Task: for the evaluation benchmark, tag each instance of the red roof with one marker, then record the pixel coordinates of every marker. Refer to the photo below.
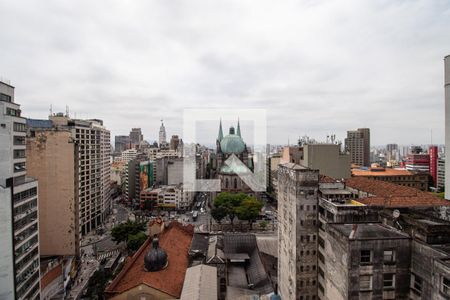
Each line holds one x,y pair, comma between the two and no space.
176,241
393,195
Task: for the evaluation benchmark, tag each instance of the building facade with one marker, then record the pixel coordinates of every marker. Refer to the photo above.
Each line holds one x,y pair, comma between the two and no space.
434,155
327,158
92,166
440,181
52,160
121,143
19,228
398,176
447,122
297,231
357,144
136,136
162,136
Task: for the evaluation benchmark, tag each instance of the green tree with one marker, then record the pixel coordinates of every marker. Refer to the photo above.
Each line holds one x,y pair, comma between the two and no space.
249,209
218,213
121,232
135,241
229,202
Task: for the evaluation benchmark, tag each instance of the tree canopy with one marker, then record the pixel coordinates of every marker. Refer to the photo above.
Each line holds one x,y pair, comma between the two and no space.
243,206
249,209
121,232
135,241
218,213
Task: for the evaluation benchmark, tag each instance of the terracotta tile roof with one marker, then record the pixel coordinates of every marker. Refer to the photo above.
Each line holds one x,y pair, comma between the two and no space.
384,172
393,195
326,179
176,241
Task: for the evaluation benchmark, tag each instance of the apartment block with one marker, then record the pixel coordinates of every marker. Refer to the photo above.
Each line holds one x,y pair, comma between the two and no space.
297,231
91,165
52,159
357,144
19,227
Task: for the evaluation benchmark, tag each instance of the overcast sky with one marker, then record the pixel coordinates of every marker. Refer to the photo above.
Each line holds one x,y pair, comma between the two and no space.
318,67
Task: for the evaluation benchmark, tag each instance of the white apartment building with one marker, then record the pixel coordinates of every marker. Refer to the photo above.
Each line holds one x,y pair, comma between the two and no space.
19,231
129,154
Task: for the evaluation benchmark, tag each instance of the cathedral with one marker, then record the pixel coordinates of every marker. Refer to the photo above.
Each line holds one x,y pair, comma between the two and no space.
227,146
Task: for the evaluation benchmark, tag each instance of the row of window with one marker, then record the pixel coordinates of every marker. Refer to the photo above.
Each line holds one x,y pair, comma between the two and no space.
308,207
367,256
308,238
365,281
13,112
20,127
19,154
19,140
4,97
25,194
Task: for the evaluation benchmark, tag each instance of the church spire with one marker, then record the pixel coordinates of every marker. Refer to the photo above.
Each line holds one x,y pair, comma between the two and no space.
238,129
220,136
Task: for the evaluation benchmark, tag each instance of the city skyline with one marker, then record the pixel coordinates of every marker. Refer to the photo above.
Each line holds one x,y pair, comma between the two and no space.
136,63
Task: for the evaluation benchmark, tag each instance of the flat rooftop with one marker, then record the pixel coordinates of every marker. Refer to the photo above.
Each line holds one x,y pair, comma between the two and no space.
370,231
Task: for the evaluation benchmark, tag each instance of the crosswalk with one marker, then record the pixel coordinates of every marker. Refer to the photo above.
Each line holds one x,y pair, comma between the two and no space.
107,254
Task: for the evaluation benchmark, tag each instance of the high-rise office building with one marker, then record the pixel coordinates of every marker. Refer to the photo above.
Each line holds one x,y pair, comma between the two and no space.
174,142
136,136
297,231
447,123
357,144
91,161
121,143
19,235
162,134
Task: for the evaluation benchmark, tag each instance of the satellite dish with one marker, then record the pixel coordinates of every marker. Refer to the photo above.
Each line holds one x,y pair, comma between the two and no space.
396,213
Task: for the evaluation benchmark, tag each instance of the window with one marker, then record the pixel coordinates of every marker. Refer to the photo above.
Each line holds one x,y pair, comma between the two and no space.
366,256
445,286
13,112
365,282
20,127
416,284
4,97
19,167
19,140
389,256
388,280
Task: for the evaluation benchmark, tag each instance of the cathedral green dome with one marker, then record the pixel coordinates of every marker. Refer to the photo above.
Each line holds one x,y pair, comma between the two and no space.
232,143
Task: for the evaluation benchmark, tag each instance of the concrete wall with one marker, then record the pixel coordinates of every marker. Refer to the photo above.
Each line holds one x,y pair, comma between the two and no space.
327,159
422,264
377,268
175,171
51,161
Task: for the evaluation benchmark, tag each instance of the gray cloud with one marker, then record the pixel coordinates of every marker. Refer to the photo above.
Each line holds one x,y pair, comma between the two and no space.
316,66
